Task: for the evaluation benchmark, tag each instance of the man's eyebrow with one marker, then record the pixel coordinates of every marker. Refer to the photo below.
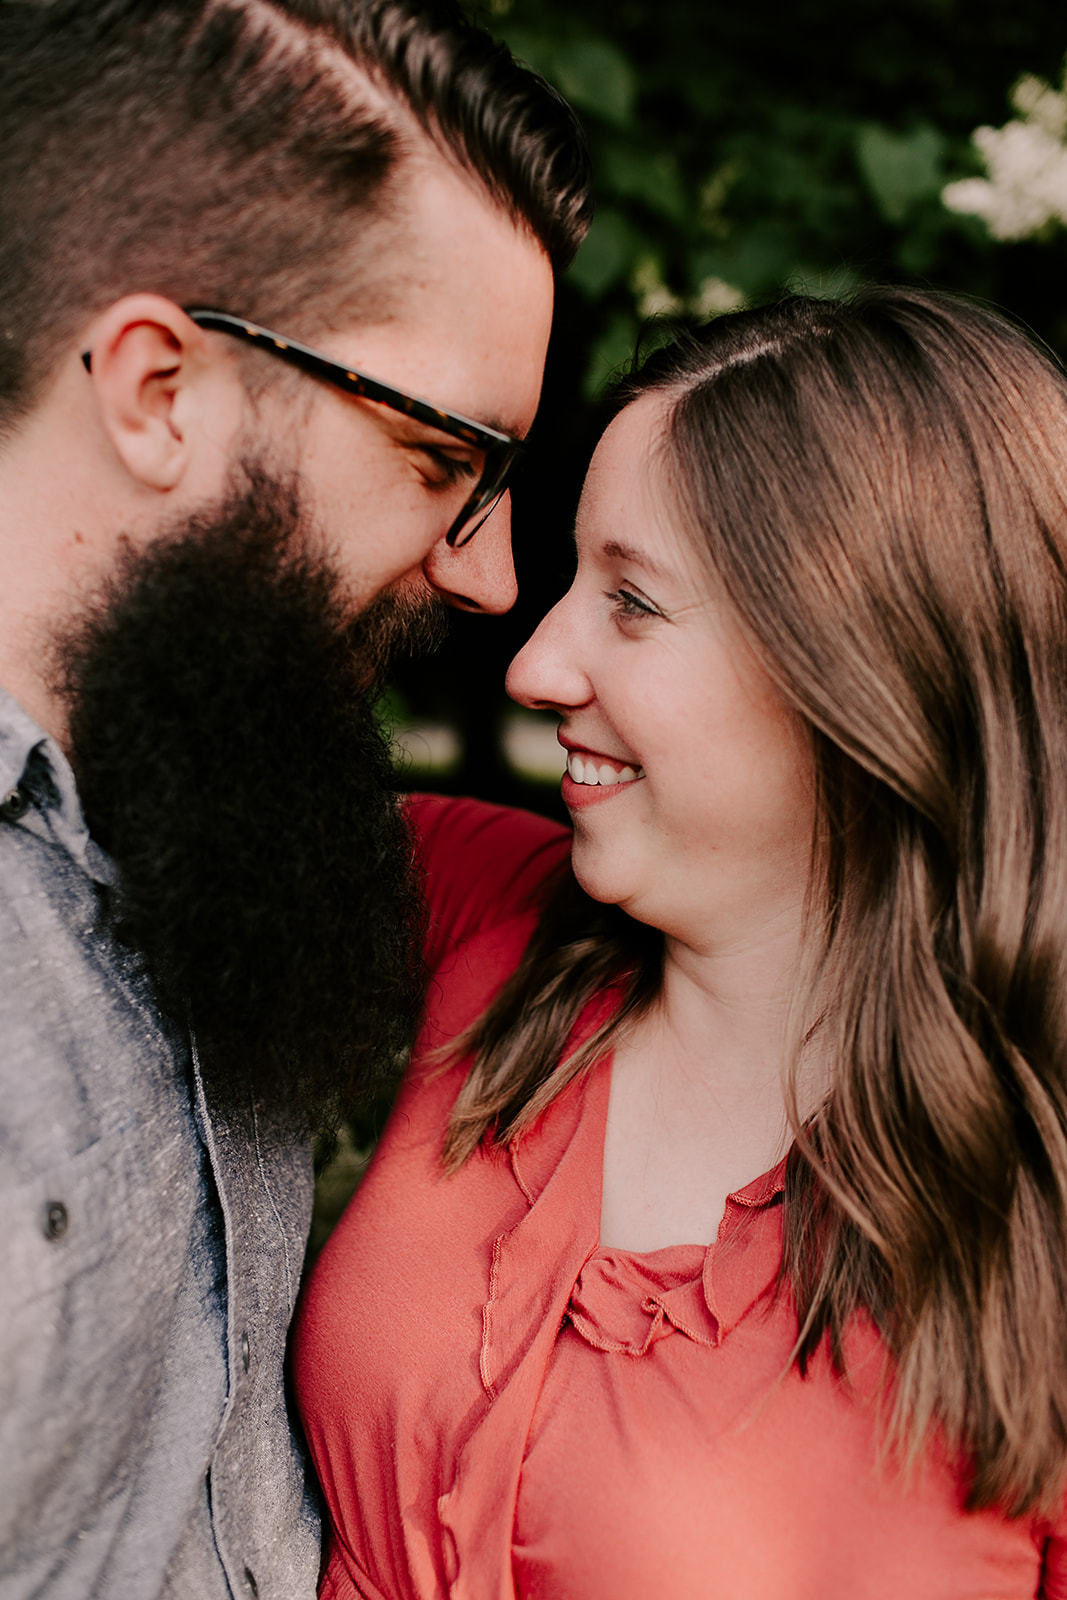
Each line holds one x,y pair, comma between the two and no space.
486,422
512,430
639,558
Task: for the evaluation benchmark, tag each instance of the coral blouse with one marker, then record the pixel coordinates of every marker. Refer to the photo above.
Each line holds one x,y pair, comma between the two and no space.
499,1407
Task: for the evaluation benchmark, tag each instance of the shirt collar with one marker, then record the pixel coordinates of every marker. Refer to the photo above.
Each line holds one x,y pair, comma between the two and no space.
32,757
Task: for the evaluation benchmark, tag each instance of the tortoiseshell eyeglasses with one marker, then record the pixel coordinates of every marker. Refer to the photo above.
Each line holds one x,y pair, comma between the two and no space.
501,451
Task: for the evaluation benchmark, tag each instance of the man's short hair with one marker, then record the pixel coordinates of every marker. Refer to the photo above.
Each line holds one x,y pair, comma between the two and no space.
238,153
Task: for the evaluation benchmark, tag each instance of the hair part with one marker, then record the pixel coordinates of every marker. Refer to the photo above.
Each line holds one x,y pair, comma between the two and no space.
246,154
881,487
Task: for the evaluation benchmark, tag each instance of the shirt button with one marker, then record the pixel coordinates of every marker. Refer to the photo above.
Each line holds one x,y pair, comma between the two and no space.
55,1221
246,1351
250,1580
14,805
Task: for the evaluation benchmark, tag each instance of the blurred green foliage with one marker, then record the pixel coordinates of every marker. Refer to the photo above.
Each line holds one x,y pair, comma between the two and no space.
743,150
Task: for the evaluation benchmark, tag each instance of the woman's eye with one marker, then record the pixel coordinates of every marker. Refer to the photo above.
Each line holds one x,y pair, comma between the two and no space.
629,606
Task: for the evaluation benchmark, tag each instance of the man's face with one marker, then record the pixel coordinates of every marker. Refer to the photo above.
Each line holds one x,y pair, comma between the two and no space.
232,656
469,328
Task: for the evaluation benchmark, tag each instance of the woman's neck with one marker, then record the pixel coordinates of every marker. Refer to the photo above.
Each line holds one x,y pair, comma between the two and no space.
698,1105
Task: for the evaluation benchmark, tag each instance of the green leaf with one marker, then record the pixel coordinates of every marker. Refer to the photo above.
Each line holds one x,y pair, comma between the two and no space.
823,283
637,173
759,259
536,50
606,255
597,77
900,168
610,353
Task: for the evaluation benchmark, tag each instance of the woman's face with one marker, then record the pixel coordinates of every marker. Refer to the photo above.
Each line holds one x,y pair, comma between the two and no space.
689,782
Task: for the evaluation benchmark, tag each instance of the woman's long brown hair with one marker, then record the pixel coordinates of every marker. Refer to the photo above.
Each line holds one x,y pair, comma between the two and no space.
881,486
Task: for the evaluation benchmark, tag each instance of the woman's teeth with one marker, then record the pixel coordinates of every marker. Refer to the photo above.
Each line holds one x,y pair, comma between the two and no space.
583,769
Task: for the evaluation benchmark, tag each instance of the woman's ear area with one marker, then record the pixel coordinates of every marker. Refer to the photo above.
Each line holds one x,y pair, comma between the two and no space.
169,394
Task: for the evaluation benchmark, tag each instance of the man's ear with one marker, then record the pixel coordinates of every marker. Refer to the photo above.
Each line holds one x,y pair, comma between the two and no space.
165,393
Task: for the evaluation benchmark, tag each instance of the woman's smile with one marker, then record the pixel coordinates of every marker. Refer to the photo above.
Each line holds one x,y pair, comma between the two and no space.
590,769
592,776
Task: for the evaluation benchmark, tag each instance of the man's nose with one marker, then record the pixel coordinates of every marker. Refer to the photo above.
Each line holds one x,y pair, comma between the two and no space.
479,576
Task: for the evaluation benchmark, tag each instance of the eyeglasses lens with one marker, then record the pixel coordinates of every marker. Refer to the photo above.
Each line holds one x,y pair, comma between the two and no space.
486,497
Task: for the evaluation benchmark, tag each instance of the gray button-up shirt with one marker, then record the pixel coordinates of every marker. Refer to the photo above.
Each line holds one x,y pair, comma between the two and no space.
150,1252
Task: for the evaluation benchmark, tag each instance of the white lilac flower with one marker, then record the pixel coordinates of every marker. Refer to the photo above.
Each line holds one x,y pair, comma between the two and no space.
1041,104
715,295
653,297
1026,190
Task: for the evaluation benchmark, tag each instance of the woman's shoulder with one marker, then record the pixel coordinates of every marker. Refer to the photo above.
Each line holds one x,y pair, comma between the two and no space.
503,839
483,865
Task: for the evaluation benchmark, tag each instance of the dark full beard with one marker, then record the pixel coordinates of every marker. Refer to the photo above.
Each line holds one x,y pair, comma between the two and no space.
228,757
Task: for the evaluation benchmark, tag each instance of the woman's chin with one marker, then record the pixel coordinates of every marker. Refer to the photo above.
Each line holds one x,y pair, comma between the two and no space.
596,869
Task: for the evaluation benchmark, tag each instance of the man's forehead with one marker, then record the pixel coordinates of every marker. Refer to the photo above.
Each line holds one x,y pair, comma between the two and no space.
469,307
449,229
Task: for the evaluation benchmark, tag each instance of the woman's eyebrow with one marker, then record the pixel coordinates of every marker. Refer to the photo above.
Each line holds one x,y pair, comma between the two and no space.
628,552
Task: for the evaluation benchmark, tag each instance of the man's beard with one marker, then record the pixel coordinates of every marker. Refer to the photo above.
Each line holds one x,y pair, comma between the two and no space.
222,731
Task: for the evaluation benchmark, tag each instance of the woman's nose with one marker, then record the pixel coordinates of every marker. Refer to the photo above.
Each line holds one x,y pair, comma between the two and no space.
547,674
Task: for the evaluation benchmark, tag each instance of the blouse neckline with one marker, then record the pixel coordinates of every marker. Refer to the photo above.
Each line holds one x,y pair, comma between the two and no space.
628,1299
